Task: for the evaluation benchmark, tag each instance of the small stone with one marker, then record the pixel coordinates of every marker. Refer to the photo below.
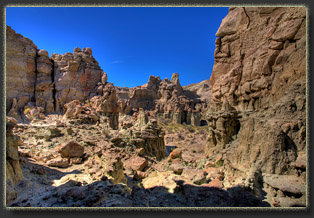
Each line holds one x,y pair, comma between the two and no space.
176,153
139,175
58,162
76,160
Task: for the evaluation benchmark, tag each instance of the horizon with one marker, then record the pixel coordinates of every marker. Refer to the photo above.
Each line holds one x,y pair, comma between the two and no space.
129,43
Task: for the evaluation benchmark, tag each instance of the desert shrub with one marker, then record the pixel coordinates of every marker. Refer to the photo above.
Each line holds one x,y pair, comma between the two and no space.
26,110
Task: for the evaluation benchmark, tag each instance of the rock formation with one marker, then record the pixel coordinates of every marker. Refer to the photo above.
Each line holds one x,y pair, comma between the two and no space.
201,91
35,80
166,98
44,84
146,134
75,75
13,170
258,84
106,106
255,104
20,72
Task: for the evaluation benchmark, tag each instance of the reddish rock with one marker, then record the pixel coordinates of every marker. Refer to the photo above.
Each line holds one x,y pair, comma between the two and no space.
136,163
210,164
218,158
176,153
71,149
215,183
76,75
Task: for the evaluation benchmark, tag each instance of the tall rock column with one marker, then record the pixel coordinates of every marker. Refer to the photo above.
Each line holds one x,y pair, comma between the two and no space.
44,84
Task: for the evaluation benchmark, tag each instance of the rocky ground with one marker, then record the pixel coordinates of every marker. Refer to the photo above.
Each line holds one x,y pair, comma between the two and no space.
58,173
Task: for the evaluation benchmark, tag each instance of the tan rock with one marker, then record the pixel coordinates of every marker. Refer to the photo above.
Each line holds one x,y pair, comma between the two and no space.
71,149
58,162
75,160
194,175
215,183
259,72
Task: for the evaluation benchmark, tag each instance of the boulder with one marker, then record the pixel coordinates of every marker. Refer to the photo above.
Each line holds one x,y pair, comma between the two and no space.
70,149
136,163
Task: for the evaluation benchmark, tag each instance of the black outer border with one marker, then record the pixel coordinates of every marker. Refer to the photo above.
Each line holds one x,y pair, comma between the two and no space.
82,212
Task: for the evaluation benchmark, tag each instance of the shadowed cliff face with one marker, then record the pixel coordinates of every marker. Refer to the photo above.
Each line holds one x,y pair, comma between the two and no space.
258,117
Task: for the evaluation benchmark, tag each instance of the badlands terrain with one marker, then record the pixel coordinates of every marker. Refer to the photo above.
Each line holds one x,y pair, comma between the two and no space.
238,139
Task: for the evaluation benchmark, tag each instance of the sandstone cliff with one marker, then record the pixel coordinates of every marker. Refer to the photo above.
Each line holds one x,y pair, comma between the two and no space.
258,117
20,71
33,79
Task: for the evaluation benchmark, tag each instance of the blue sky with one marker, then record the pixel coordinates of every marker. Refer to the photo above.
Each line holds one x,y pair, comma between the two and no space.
129,43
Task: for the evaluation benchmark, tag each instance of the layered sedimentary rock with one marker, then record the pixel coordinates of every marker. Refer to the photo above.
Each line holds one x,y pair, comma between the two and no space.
258,84
35,80
20,72
44,84
76,75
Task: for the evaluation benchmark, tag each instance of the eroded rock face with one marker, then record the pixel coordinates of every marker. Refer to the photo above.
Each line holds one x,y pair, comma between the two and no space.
106,106
257,120
13,171
166,98
145,134
44,85
35,80
20,72
106,163
255,60
76,75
